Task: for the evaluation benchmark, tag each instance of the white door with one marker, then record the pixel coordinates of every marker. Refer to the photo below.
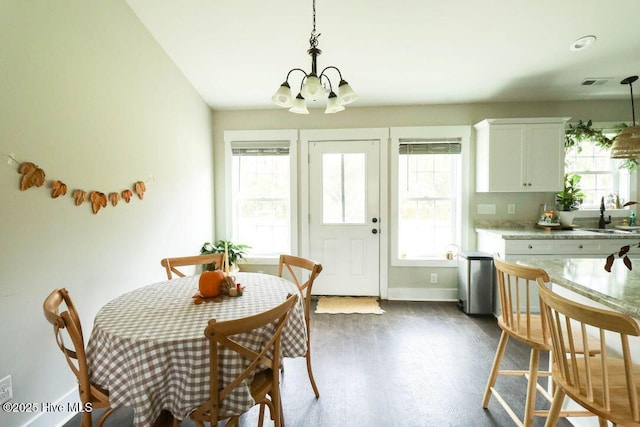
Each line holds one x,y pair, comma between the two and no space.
344,222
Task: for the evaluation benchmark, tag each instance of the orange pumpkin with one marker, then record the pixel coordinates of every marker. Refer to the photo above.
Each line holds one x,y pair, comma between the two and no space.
210,284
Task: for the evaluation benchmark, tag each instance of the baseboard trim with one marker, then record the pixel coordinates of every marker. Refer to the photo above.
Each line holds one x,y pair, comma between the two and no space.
422,294
57,418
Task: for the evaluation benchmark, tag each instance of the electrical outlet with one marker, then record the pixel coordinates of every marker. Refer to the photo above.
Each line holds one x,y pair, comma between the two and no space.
6,392
511,208
434,277
486,209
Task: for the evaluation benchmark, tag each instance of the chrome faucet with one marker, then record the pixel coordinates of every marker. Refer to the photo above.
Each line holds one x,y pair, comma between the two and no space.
602,222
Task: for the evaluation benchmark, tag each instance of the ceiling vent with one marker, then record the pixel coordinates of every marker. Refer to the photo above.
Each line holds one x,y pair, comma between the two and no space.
595,82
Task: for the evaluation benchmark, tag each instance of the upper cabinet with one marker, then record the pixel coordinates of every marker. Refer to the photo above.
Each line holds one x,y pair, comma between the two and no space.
515,155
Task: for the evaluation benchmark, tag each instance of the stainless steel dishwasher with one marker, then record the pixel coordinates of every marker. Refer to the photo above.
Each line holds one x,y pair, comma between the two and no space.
476,278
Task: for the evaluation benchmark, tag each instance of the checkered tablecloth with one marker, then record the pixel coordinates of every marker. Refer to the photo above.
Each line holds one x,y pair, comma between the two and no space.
148,346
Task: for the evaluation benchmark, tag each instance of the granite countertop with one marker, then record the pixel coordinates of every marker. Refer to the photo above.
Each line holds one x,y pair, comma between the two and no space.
619,290
532,233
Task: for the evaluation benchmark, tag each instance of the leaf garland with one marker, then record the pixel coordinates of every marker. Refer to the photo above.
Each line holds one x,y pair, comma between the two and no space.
34,176
584,132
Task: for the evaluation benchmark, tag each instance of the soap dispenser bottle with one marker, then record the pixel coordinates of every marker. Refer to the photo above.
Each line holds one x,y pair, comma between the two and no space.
632,219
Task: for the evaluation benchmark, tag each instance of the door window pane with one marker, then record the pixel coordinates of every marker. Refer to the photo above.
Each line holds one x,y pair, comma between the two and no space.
343,188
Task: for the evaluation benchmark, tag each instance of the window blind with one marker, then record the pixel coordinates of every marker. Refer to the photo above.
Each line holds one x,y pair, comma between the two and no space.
260,148
430,146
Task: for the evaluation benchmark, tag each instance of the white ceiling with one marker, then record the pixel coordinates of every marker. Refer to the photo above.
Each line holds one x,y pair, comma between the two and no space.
237,52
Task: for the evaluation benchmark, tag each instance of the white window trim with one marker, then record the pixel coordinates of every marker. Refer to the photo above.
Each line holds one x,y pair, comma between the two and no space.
266,136
429,132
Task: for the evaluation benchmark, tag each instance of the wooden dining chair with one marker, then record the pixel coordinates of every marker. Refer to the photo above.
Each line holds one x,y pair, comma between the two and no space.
261,370
170,264
313,269
61,313
606,383
522,319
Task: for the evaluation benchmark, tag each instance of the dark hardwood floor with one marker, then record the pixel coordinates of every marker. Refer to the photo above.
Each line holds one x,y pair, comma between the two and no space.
420,364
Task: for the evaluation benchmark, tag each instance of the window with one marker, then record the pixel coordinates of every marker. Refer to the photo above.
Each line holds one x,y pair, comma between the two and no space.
428,186
262,191
343,191
600,175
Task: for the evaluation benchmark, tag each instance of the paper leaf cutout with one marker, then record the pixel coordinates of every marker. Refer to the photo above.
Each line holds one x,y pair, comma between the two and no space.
140,188
80,197
114,198
98,200
126,195
59,189
32,175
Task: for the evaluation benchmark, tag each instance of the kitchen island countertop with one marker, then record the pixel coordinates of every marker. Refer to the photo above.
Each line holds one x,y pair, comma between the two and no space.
618,290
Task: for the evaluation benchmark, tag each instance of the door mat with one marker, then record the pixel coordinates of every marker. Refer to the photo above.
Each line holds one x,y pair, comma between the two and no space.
348,305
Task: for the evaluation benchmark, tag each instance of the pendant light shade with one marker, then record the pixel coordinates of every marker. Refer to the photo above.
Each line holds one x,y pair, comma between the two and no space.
627,144
333,104
283,98
346,95
299,106
315,85
312,88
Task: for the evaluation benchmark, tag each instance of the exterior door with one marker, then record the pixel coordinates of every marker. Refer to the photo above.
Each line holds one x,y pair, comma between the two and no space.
344,222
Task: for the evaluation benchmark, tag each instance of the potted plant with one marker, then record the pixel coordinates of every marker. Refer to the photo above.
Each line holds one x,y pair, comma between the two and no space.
235,252
569,199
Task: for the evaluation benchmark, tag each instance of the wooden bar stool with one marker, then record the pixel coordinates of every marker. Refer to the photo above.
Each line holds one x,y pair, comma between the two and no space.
607,383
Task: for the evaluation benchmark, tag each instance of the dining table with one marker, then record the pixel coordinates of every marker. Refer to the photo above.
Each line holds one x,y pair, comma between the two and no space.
148,348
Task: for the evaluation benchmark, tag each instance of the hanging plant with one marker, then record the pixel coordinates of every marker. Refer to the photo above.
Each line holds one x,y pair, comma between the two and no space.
584,132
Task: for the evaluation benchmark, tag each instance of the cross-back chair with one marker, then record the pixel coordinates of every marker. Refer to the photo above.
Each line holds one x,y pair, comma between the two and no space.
606,383
521,318
290,263
262,369
170,264
61,313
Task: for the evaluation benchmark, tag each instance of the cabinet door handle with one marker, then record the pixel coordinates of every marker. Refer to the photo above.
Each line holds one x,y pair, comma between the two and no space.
530,247
580,246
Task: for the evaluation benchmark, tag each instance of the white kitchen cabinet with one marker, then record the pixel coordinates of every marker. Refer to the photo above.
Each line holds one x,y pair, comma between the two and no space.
515,155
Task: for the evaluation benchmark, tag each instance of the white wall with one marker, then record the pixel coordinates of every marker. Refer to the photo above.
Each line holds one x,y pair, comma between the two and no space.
527,205
90,97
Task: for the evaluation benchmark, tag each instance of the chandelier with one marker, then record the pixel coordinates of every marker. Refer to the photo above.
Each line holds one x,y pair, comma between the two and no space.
627,144
313,85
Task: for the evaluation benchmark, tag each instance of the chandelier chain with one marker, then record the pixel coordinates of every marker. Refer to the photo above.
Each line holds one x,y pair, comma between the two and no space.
313,40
